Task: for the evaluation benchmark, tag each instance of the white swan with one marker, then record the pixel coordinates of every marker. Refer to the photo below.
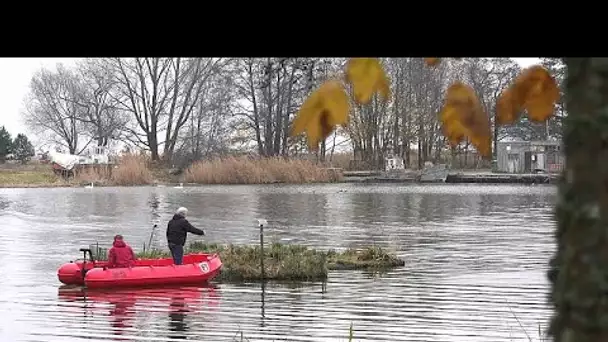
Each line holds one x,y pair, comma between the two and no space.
180,186
89,186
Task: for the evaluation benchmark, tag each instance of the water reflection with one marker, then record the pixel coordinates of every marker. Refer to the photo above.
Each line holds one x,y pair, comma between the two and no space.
123,305
262,302
154,202
177,315
121,313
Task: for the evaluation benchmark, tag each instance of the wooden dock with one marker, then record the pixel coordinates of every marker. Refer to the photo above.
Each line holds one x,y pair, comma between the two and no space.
443,175
501,178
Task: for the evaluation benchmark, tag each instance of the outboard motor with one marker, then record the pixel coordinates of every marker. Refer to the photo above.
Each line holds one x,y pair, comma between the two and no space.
84,260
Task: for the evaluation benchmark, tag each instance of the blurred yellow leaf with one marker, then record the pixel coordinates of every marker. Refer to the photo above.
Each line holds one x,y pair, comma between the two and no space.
324,109
462,116
508,107
534,90
432,61
367,77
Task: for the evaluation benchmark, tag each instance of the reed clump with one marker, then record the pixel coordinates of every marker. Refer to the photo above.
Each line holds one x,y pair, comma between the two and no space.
132,169
370,258
100,175
286,262
245,170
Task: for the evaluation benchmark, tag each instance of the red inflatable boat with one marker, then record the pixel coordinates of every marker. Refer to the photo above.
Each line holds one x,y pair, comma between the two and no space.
196,269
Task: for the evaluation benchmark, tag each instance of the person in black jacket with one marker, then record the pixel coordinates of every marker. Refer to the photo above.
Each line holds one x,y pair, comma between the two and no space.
177,229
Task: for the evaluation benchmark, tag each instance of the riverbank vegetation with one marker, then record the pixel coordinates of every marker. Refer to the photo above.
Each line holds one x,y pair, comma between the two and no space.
287,262
244,170
134,170
28,177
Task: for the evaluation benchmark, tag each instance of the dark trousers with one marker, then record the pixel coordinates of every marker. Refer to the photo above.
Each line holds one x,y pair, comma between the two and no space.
177,252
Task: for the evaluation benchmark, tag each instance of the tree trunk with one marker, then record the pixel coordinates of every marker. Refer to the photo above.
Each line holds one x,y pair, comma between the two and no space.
321,154
284,150
466,154
579,269
420,159
278,126
495,138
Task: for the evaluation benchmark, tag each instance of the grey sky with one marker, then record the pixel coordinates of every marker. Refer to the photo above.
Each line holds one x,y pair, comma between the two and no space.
16,73
15,76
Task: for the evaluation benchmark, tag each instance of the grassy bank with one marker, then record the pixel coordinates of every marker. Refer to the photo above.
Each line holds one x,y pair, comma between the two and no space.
287,262
133,170
243,170
130,170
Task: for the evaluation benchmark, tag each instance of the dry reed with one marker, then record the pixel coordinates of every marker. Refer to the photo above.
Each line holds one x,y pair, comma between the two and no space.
132,170
244,170
97,175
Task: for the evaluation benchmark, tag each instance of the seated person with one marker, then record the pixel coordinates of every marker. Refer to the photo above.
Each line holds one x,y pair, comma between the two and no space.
121,254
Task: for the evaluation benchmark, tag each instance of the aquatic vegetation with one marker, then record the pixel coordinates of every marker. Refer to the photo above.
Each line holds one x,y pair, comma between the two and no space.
373,257
286,262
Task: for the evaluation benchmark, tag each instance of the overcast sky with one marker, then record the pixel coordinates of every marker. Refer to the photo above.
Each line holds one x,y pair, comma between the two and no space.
16,73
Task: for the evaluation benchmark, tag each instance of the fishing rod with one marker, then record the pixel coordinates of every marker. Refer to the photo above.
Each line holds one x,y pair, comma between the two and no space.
151,236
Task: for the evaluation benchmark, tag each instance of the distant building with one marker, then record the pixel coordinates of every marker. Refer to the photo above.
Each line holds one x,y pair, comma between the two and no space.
529,156
392,161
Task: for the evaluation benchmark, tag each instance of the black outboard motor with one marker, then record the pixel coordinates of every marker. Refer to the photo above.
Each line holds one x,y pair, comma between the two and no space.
84,260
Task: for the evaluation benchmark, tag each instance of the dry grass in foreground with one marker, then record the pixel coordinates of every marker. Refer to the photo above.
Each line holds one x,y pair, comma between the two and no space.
243,170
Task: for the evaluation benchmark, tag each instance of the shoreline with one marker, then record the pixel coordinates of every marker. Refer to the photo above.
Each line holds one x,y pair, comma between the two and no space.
367,181
39,176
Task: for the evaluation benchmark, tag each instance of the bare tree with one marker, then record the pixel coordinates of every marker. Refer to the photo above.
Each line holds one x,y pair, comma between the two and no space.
271,91
207,130
50,107
95,94
161,93
489,78
411,116
191,79
202,106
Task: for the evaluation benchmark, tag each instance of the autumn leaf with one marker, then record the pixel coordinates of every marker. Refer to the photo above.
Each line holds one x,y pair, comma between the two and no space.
508,107
432,61
534,90
367,77
462,116
324,109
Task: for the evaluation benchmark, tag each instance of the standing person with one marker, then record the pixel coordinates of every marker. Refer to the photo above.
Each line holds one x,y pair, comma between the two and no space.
121,254
177,229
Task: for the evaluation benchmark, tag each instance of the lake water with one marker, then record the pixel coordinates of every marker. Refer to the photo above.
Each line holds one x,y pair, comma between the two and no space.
476,258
